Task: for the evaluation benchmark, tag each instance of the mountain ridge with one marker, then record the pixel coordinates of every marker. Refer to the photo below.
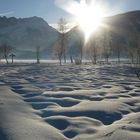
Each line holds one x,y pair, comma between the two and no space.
28,33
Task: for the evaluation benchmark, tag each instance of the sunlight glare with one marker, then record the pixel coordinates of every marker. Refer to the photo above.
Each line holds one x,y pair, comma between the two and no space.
89,16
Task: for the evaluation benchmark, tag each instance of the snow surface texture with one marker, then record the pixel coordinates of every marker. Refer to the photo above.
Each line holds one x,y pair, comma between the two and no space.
50,102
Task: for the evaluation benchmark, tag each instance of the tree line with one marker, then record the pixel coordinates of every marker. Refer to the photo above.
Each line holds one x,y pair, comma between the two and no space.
6,51
101,46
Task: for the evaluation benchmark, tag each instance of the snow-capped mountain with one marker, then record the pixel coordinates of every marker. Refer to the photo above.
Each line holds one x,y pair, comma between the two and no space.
26,34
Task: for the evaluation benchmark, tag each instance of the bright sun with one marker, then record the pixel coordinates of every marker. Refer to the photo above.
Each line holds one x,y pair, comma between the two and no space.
89,16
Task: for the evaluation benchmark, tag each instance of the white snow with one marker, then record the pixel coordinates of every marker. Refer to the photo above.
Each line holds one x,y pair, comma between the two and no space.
52,102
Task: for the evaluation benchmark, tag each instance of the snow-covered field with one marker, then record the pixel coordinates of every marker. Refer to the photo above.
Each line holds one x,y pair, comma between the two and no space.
51,102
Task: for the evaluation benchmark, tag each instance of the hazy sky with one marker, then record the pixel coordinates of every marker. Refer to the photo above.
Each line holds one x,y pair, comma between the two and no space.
51,10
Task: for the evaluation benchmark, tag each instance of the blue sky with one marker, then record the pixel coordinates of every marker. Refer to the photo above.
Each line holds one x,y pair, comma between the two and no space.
49,10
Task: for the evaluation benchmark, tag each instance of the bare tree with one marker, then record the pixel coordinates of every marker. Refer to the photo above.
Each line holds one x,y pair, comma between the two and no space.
131,48
71,59
118,52
92,50
1,54
12,57
62,27
137,42
107,44
6,50
38,54
118,45
80,46
57,51
134,42
131,54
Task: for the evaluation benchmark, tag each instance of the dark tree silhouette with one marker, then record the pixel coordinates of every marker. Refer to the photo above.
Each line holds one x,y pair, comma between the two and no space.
118,45
137,45
80,46
6,49
62,28
12,57
71,59
57,51
38,54
107,45
92,50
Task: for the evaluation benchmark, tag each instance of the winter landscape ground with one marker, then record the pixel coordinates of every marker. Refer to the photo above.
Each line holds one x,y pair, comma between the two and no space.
70,70
78,102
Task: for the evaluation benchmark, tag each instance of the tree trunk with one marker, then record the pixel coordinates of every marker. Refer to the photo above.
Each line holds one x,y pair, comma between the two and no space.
64,57
38,61
6,60
119,58
60,62
81,55
12,59
71,59
107,59
132,59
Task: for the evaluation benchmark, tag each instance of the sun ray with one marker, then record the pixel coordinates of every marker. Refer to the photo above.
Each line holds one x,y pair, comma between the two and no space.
89,17
88,14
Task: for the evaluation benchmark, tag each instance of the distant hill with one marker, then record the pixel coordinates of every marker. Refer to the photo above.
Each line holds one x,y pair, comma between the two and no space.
123,28
125,24
26,34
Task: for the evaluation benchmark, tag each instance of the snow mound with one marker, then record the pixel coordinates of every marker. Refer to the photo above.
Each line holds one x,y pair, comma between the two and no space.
69,102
